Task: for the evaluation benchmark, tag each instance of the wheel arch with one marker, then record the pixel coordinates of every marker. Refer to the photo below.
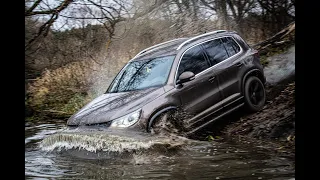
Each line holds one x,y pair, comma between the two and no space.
252,72
157,113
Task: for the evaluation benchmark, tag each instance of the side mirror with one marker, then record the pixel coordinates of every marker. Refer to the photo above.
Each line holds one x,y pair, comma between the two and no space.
185,77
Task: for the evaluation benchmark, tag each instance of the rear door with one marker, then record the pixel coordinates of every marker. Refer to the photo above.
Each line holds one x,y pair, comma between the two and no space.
217,56
230,83
202,92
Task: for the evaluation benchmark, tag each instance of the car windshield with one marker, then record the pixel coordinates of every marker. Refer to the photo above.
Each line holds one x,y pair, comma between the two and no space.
142,74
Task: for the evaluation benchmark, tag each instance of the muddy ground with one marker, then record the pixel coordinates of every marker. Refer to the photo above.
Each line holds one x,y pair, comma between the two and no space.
274,126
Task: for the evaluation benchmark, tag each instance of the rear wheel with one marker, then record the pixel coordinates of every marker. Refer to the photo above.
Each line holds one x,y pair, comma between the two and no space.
254,94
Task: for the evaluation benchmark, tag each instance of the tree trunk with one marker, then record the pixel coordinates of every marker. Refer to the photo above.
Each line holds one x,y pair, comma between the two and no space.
223,22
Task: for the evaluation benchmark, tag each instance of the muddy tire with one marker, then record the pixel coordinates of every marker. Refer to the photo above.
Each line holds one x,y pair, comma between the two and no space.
254,94
158,124
164,123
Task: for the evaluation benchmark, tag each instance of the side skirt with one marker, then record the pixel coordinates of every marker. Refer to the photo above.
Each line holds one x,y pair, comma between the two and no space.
225,110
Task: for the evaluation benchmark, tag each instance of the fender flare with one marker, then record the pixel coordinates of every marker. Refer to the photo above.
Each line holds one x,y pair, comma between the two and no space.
157,114
250,72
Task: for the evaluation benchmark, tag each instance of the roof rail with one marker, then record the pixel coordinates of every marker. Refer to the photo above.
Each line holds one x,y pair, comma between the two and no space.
196,37
157,45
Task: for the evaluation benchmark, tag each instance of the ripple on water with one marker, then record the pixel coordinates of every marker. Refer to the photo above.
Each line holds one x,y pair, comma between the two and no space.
85,154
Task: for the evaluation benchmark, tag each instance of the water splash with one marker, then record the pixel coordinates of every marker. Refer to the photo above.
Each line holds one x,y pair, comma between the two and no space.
166,158
103,141
281,66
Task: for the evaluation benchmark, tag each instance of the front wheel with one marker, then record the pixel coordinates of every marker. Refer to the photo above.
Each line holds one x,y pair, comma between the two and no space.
254,94
166,122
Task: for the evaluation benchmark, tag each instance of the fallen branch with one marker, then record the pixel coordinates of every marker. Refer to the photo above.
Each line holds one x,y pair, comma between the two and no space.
277,39
56,111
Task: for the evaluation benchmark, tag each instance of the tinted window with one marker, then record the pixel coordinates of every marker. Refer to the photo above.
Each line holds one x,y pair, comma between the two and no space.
193,60
231,46
142,74
215,51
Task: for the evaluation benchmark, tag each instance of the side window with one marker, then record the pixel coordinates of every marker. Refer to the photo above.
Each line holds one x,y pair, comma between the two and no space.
193,60
215,51
231,46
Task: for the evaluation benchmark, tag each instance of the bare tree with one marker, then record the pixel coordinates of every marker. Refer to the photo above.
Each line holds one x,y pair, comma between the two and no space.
53,14
239,9
108,13
220,8
278,13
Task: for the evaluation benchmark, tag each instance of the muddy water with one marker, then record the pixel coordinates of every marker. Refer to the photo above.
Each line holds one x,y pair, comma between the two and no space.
54,152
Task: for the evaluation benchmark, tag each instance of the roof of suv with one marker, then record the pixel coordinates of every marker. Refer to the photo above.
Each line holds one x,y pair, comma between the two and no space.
165,49
173,46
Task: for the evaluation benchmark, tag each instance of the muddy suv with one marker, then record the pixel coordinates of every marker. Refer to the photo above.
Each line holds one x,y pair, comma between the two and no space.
207,76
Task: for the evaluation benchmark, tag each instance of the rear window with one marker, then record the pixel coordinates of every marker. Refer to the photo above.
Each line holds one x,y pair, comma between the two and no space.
215,51
231,46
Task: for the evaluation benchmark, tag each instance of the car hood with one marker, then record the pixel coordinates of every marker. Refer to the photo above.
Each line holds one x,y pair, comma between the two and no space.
110,106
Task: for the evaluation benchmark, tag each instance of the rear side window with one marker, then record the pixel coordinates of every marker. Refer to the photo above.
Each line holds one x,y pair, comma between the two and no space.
216,51
193,60
231,46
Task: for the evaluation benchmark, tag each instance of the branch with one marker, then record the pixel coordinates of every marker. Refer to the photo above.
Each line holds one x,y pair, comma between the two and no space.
157,4
93,18
56,10
33,6
249,7
46,26
101,8
204,2
229,2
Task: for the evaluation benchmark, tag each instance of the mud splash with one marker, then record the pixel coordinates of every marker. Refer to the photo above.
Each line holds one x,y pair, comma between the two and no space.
142,156
106,141
281,67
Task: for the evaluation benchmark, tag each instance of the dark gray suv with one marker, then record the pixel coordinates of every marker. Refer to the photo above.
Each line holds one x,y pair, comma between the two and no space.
207,76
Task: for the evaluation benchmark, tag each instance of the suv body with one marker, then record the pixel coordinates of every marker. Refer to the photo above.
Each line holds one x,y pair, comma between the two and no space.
206,76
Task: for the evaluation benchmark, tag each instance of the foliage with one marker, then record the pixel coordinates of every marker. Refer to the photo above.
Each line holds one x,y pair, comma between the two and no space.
212,138
63,90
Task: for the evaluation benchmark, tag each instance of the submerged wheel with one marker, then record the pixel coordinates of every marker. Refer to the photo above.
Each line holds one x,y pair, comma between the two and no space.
159,123
254,94
164,123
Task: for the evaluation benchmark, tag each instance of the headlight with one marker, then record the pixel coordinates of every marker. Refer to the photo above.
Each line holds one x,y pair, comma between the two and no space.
127,120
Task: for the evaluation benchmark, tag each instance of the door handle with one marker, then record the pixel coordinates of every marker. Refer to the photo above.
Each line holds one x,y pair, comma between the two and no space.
211,79
239,64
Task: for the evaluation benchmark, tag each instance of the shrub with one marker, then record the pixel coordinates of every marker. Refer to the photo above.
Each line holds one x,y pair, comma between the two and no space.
63,90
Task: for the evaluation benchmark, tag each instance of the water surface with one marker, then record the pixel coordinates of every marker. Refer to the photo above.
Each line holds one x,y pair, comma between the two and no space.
54,152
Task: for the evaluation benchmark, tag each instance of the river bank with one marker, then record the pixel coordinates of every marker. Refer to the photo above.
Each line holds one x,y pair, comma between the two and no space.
273,127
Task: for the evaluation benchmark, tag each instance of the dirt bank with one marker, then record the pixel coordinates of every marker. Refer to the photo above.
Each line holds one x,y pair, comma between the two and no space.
274,126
